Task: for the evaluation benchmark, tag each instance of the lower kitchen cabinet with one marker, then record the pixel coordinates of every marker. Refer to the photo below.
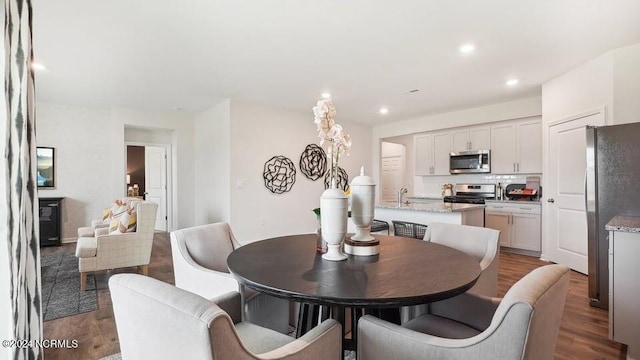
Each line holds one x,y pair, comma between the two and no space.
518,223
624,288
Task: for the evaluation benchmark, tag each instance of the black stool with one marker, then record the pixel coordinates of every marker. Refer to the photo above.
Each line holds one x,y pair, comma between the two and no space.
379,225
409,229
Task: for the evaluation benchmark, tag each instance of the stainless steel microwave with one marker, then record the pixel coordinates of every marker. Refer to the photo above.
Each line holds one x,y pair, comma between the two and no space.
470,162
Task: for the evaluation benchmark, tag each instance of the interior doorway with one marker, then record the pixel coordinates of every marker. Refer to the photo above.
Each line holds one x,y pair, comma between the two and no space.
147,168
393,158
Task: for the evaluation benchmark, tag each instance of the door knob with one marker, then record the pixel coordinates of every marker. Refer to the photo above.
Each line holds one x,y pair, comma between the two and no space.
551,200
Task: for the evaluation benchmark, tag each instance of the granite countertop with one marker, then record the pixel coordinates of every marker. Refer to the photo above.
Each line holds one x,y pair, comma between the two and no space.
430,207
424,197
624,224
519,202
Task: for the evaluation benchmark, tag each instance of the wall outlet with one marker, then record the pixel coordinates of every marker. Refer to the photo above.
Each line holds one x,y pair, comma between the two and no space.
262,221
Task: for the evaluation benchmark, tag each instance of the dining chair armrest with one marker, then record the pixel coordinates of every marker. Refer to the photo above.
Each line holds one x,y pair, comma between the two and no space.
231,303
208,283
380,339
470,309
322,342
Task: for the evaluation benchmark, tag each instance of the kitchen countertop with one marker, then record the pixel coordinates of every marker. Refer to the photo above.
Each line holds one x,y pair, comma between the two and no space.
519,202
624,224
430,207
424,197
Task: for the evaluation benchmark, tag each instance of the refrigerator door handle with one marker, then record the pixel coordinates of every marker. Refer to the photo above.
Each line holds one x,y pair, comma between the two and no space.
591,212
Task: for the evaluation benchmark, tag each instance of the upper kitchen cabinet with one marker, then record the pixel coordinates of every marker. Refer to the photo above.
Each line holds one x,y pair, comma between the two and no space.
432,154
471,139
516,147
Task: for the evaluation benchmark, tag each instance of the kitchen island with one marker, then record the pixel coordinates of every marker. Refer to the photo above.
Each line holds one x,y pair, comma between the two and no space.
437,211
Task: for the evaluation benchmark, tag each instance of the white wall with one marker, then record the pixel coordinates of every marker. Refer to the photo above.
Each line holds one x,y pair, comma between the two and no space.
586,88
472,116
90,159
504,111
626,84
89,168
212,157
259,132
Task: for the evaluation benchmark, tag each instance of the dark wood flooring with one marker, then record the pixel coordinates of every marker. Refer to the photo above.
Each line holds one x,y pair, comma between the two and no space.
583,331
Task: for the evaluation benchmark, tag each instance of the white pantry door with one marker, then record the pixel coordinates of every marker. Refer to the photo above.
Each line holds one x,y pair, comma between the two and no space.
564,207
392,176
155,172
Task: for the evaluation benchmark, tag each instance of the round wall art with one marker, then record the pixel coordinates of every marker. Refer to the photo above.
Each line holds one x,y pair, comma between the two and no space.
342,179
279,174
313,162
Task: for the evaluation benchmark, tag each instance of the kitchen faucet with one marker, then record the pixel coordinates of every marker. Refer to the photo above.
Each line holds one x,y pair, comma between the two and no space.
400,193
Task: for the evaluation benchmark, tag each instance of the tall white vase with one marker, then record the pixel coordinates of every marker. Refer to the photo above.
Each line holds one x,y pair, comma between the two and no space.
333,220
362,202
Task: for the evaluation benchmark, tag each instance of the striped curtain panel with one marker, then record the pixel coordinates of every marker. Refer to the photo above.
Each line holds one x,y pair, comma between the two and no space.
20,190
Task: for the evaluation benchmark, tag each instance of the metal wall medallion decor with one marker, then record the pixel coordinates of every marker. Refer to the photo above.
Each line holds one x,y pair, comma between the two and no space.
313,162
279,174
342,179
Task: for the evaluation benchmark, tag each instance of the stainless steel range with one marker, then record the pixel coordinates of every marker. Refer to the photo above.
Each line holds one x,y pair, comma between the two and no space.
472,193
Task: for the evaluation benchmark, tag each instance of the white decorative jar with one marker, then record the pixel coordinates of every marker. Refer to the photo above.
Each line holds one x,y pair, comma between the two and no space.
363,190
333,220
362,205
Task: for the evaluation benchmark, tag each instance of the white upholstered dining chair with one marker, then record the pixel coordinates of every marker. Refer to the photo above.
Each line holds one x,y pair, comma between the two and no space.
200,266
156,320
522,325
481,243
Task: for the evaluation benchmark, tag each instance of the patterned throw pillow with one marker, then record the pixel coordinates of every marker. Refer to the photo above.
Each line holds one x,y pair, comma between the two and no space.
108,211
114,227
124,223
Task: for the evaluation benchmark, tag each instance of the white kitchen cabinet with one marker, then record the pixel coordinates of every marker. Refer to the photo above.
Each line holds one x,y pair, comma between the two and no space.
624,287
432,154
519,224
516,147
499,221
423,155
471,138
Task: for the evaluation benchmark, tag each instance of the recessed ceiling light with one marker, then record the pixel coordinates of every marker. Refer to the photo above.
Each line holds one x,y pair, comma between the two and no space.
37,66
512,82
467,49
177,108
384,111
326,95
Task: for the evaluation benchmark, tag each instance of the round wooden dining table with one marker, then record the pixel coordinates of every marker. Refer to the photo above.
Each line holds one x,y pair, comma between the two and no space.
406,272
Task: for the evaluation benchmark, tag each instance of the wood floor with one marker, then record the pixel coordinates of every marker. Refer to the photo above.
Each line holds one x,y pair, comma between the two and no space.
583,332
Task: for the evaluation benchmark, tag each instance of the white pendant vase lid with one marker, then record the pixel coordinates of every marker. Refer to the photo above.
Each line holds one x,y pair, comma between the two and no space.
362,179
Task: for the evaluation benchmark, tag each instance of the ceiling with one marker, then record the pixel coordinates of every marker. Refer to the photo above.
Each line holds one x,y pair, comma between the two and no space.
160,55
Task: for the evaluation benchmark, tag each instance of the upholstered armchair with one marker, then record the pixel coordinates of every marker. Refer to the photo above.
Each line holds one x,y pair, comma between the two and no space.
110,251
156,320
522,325
200,266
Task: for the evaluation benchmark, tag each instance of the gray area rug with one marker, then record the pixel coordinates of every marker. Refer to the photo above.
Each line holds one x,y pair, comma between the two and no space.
61,295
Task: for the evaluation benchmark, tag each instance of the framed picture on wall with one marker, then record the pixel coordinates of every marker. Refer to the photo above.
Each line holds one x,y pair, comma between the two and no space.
46,167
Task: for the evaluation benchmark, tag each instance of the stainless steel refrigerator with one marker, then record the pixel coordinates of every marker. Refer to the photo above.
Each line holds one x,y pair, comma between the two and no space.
612,187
